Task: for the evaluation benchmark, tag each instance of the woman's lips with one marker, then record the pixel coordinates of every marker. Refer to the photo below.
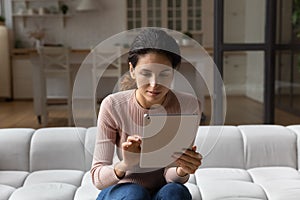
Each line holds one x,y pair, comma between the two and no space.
153,93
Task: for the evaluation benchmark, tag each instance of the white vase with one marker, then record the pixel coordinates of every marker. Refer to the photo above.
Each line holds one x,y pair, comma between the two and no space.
185,42
38,45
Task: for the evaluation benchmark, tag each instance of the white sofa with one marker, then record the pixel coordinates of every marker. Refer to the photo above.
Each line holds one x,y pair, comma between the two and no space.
247,162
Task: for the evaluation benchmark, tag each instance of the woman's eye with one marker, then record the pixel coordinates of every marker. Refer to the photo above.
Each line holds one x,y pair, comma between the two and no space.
165,74
146,74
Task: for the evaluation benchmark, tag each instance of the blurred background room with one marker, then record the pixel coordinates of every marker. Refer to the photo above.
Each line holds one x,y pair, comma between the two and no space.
256,44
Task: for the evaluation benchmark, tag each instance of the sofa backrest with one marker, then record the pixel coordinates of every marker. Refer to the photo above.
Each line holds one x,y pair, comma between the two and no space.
14,148
90,139
245,147
220,146
269,145
58,148
89,146
296,129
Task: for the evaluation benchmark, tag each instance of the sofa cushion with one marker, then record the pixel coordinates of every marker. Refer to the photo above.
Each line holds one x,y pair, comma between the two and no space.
216,143
87,179
49,191
282,189
58,148
269,145
90,139
72,177
278,182
265,174
231,190
89,146
219,174
194,190
6,191
192,179
13,178
86,192
296,130
14,148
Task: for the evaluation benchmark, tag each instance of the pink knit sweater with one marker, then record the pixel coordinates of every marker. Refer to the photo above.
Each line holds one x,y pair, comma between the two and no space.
120,115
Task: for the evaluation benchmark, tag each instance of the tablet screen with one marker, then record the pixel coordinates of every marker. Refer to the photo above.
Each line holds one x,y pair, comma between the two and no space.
163,135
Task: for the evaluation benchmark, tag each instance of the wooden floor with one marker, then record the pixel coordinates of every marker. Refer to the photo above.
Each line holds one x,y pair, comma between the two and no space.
20,114
240,110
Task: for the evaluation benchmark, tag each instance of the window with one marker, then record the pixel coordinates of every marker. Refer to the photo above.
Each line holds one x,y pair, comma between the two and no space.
154,13
172,14
134,13
194,15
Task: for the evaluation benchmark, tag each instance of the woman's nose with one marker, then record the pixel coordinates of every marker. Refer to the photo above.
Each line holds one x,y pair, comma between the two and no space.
153,81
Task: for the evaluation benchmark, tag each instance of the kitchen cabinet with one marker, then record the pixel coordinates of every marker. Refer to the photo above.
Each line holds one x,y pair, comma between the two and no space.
22,73
5,75
22,77
235,72
235,69
172,14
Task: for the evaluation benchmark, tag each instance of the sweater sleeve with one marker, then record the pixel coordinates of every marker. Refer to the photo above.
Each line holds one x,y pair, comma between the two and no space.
172,176
102,170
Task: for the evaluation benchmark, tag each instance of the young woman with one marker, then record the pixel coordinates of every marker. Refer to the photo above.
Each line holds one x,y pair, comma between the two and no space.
153,57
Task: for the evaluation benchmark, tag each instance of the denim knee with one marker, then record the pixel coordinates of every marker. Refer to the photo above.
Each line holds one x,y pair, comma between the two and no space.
174,191
125,191
135,192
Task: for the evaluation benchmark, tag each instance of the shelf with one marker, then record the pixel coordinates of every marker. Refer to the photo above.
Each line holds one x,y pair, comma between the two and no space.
28,51
28,10
45,15
35,0
36,16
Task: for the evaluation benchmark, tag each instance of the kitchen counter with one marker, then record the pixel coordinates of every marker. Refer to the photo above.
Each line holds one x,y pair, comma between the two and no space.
27,51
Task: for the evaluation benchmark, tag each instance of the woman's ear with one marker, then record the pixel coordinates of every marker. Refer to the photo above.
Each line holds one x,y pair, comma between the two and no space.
131,71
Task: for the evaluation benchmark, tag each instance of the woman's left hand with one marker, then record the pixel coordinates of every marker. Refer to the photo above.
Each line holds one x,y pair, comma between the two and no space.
188,162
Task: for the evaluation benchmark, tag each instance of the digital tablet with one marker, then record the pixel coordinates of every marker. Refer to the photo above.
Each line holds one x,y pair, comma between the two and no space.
163,135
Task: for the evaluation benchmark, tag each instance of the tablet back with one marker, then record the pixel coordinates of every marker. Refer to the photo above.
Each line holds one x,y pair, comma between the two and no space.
163,135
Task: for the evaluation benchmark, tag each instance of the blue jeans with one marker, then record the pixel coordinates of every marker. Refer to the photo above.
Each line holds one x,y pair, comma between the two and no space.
131,191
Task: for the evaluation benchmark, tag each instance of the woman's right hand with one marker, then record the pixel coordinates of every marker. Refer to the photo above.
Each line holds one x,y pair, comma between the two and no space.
131,150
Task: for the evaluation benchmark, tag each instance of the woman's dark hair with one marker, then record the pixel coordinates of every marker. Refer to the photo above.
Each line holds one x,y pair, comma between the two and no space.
152,40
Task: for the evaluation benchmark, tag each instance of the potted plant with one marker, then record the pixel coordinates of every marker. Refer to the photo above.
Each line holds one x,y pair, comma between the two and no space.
38,35
64,8
188,34
2,20
186,38
296,18
296,23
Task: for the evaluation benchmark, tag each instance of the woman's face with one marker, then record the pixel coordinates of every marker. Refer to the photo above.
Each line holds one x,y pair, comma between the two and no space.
153,74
